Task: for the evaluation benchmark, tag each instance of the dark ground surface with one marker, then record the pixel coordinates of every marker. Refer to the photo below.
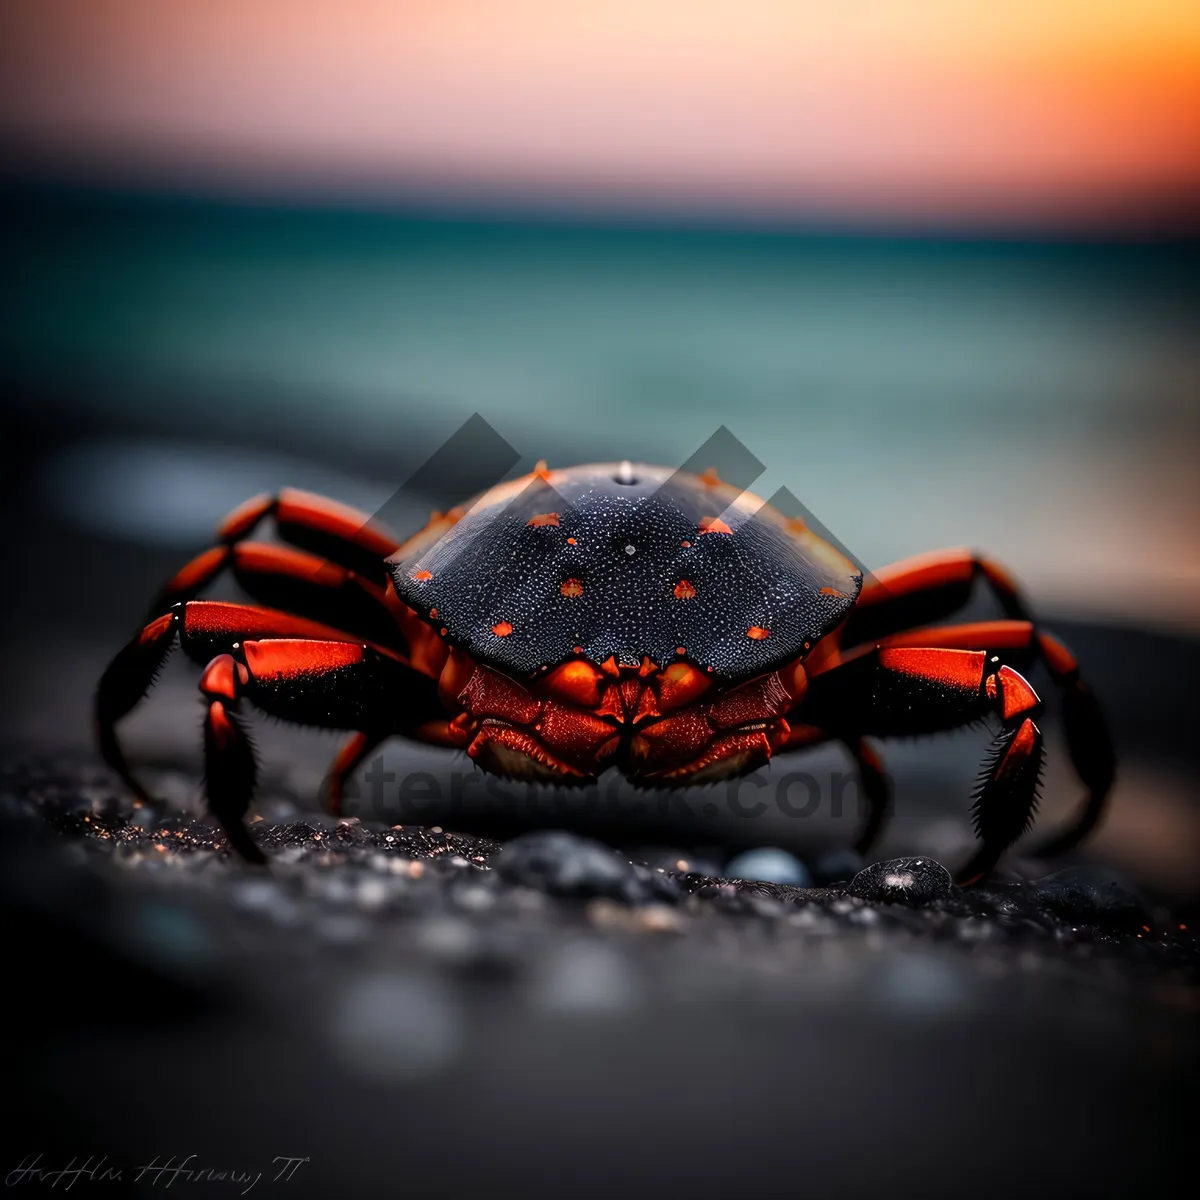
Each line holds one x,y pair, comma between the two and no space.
415,1010
442,1014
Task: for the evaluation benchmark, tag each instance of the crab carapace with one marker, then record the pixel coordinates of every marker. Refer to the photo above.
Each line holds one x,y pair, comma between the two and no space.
606,616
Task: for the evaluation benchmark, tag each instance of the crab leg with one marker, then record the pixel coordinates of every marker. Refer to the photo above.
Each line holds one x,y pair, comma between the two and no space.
284,578
206,628
876,790
898,691
1089,742
338,685
346,762
320,525
927,588
343,535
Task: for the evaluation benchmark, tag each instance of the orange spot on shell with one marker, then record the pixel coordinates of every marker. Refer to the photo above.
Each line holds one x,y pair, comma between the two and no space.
713,525
575,682
572,587
684,590
828,591
432,613
570,541
539,519
422,576
681,684
757,632
502,628
576,649
680,649
685,544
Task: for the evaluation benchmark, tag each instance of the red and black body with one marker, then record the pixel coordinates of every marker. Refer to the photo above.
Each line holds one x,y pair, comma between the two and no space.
606,616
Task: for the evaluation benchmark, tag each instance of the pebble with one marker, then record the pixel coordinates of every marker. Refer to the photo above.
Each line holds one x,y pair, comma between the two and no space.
474,899
769,864
267,898
586,978
683,862
447,938
373,893
169,934
650,918
343,929
1092,896
921,984
564,864
397,1027
915,881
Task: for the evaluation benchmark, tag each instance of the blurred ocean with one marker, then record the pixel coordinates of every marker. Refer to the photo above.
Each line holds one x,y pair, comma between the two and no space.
1038,400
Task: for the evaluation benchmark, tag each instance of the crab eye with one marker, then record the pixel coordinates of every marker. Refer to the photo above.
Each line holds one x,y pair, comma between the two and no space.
680,684
574,683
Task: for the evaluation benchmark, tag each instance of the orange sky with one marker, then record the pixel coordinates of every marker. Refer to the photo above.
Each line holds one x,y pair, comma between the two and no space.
1029,109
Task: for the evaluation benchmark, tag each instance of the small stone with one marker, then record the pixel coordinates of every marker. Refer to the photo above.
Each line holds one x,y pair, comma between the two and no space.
586,978
658,918
915,881
373,894
447,938
1092,896
343,928
769,864
278,812
654,886
564,864
677,862
397,1027
649,918
608,914
922,984
837,865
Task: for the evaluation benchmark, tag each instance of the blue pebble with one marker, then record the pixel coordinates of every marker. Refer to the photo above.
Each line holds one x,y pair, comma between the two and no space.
769,864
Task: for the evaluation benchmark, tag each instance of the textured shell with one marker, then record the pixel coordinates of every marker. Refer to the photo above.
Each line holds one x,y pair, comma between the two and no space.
498,580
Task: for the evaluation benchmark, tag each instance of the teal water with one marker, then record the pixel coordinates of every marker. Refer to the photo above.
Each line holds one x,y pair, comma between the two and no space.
1040,399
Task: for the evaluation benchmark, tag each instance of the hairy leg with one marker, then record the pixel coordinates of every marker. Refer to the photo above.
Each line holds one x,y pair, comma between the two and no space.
906,691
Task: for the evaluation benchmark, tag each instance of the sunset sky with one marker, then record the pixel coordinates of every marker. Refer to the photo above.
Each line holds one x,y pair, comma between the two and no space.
1074,109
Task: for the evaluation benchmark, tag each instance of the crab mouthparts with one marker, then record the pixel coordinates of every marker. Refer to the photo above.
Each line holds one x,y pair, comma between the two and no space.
670,757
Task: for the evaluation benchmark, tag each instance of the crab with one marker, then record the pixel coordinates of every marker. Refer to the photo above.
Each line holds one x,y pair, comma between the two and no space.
659,622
